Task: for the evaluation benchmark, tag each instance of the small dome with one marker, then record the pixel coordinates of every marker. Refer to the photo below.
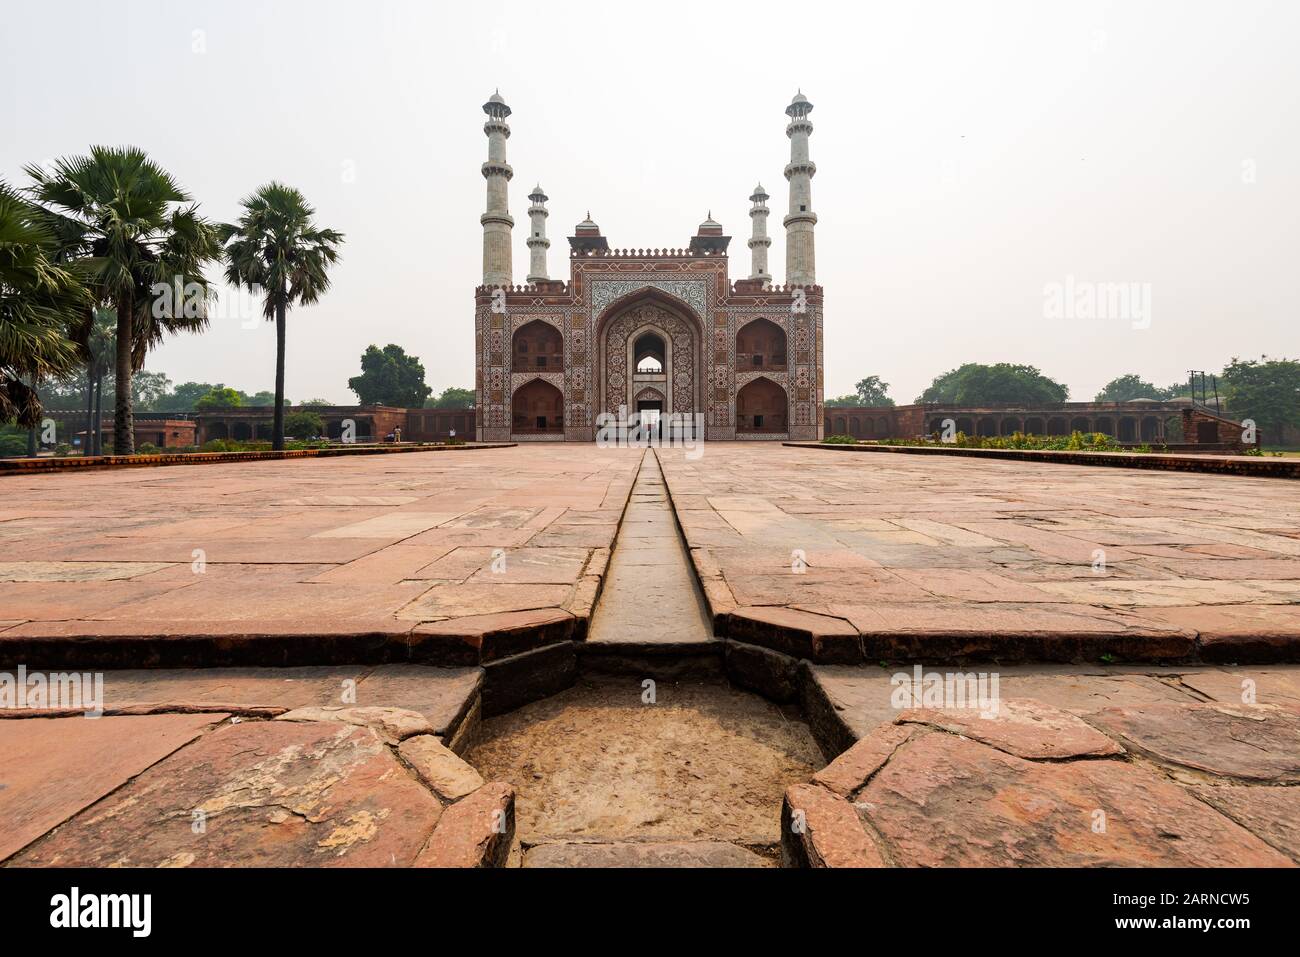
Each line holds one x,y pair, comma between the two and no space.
709,221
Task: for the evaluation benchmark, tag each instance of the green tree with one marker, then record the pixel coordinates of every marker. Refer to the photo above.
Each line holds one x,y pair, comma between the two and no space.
265,397
221,397
871,391
304,424
149,389
315,404
842,401
452,398
182,397
390,377
142,247
1001,383
278,251
1126,388
1265,390
39,302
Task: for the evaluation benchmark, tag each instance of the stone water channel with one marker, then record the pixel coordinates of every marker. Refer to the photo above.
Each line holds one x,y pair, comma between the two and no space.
653,758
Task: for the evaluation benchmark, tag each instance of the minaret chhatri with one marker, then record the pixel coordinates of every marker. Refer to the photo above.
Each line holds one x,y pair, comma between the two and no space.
537,241
800,259
497,224
759,240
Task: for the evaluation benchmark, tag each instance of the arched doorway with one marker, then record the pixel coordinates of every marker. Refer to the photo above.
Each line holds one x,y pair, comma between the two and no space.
242,431
537,347
760,347
537,408
646,330
761,407
217,430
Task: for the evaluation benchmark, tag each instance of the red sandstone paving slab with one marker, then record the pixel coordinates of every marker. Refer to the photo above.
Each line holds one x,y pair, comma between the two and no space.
822,587
474,832
54,601
442,695
250,602
271,793
1270,687
52,768
385,567
1249,743
820,829
1019,726
864,697
461,600
1271,813
946,801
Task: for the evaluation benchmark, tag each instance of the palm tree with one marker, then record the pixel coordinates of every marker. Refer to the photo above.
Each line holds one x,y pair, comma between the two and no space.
141,249
39,301
277,251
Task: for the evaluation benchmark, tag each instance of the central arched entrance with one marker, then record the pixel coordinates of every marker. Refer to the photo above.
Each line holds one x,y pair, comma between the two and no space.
649,355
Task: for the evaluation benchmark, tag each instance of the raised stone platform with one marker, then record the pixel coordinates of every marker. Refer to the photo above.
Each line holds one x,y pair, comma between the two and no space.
447,559
848,558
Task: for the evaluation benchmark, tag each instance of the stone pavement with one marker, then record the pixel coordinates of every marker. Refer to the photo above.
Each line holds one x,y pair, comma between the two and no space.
448,558
273,767
1074,767
929,557
1138,738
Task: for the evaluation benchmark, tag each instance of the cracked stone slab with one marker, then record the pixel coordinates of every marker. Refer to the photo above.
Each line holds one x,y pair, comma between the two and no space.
821,829
1271,813
1259,744
438,767
474,832
392,724
76,571
1028,729
52,768
946,801
265,793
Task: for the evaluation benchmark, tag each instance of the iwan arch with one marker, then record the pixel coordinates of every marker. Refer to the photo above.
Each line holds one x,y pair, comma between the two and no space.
662,329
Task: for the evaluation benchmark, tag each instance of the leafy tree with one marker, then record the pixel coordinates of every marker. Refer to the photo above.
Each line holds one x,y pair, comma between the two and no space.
275,249
1265,390
142,250
149,388
265,397
315,404
221,397
452,398
390,377
1126,388
977,384
182,397
39,302
304,424
843,401
871,391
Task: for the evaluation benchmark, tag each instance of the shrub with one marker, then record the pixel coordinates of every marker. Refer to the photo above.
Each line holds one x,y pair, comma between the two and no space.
840,440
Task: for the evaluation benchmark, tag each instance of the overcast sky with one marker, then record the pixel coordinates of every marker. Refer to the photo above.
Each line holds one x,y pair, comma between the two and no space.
969,156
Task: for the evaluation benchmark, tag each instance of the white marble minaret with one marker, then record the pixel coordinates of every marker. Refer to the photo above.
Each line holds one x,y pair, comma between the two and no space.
497,224
800,259
759,240
537,242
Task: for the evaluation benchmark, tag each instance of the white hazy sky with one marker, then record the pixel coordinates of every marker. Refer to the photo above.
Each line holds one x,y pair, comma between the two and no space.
968,154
